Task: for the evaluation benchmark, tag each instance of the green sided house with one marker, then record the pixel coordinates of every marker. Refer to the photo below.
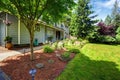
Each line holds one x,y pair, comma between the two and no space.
20,35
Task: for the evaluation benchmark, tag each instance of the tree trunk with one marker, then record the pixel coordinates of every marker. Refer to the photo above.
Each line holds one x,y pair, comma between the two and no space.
30,26
32,57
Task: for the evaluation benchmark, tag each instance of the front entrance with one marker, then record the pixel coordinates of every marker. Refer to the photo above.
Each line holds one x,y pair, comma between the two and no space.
58,35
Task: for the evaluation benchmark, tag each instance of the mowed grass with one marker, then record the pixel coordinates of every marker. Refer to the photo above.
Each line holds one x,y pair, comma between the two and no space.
95,62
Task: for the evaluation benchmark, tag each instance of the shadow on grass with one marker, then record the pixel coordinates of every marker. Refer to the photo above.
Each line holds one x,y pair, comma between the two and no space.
82,68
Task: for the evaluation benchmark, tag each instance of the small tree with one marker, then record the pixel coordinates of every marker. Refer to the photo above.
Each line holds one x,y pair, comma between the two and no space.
106,29
30,11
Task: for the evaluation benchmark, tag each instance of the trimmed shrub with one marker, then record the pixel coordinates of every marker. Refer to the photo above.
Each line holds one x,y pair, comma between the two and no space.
118,35
103,39
74,50
54,45
60,45
47,49
109,39
65,56
118,38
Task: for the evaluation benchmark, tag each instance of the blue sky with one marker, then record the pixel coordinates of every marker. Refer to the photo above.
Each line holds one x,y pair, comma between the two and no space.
103,7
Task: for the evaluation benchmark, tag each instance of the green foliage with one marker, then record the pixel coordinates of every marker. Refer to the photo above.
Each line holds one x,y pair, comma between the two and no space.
118,38
68,44
47,49
94,34
73,25
8,39
96,37
108,20
54,45
30,11
34,9
118,35
60,45
113,22
118,30
82,23
115,13
57,9
65,55
109,39
117,20
74,50
74,43
103,39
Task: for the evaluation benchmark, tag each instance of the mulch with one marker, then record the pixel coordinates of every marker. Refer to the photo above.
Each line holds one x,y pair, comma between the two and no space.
18,67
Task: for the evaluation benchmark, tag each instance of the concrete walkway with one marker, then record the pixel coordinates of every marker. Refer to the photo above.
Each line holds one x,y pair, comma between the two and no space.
5,54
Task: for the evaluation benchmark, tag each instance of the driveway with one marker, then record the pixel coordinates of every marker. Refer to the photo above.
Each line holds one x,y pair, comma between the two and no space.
4,53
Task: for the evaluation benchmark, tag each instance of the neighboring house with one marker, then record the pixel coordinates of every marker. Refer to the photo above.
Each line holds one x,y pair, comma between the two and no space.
20,34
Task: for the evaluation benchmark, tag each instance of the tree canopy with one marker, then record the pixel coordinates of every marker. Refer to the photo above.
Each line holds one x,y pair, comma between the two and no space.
34,9
116,14
82,24
108,20
30,11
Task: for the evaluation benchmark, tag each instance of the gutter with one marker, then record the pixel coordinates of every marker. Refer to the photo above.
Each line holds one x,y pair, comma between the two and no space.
53,27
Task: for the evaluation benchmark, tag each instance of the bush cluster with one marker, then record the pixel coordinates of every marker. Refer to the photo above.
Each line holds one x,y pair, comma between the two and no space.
74,50
47,49
65,55
105,34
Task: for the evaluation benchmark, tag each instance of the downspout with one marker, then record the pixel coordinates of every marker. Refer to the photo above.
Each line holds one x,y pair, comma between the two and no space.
6,31
6,18
45,34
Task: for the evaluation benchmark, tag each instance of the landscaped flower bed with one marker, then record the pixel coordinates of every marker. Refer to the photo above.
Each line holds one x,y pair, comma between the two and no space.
17,67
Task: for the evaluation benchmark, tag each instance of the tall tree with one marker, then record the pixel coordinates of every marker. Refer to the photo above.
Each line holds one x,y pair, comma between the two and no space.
30,11
73,25
83,25
115,14
108,20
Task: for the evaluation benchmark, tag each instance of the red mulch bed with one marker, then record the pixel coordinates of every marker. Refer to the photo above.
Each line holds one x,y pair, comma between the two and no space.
17,67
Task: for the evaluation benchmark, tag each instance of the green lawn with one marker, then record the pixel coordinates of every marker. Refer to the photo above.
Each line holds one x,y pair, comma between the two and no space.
95,62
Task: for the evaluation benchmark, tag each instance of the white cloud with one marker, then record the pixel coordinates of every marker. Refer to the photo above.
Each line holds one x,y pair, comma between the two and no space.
98,11
107,4
103,7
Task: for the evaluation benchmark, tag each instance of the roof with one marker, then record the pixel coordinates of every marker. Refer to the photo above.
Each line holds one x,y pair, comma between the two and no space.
50,26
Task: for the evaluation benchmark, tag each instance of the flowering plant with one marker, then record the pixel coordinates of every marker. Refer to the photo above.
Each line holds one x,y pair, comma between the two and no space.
8,23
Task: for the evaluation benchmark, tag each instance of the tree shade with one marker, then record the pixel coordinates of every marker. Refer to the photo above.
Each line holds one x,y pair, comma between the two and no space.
30,11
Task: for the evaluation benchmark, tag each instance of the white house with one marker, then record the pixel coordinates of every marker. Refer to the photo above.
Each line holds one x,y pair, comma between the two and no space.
20,35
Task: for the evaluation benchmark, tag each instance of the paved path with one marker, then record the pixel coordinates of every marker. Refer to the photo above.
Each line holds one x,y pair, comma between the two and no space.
6,53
